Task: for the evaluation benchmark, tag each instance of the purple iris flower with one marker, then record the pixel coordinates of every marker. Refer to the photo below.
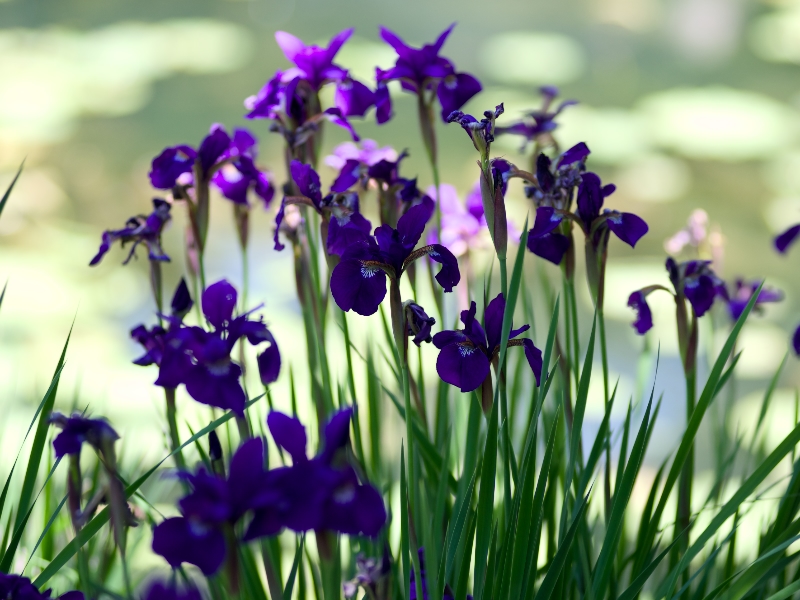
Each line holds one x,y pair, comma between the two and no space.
17,587
159,590
367,153
77,429
319,493
787,238
213,507
743,291
544,241
466,354
339,210
176,161
369,571
538,123
201,360
358,282
796,341
238,175
154,340
141,229
315,66
420,70
692,280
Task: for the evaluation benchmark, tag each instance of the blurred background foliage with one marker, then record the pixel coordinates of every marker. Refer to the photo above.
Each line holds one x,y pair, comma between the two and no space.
685,104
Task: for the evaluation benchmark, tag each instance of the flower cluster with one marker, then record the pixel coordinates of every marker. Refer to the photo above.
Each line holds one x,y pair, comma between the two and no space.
318,493
201,359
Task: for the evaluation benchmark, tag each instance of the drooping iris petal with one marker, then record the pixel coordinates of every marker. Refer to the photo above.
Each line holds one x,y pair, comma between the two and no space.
335,116
454,91
289,434
353,98
358,284
180,541
547,220
449,275
628,227
787,238
534,356
222,390
550,246
219,300
279,216
353,509
462,365
644,318
269,362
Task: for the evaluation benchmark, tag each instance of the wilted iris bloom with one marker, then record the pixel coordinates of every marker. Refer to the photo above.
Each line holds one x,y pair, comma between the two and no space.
77,430
213,508
17,587
692,280
538,124
359,280
339,210
318,493
595,222
141,229
466,354
369,571
201,360
421,70
742,293
418,322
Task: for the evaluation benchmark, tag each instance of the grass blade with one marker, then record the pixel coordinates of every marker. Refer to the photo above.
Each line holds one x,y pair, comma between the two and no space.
7,193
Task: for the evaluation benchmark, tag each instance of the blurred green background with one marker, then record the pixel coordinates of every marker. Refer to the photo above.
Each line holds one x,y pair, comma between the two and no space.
685,104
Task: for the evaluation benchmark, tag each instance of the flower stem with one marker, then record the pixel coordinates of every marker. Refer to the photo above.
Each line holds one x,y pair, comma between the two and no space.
504,417
172,421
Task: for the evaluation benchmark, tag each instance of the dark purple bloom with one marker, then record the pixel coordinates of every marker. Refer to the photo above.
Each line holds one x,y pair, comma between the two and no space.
693,280
238,175
419,323
175,161
17,587
77,429
743,291
787,238
422,69
141,229
358,282
538,123
319,493
201,359
214,505
593,220
466,354
796,341
644,317
164,591
556,181
340,211
153,340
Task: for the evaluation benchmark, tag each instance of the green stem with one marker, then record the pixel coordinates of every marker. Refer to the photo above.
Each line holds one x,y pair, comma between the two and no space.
172,422
504,417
